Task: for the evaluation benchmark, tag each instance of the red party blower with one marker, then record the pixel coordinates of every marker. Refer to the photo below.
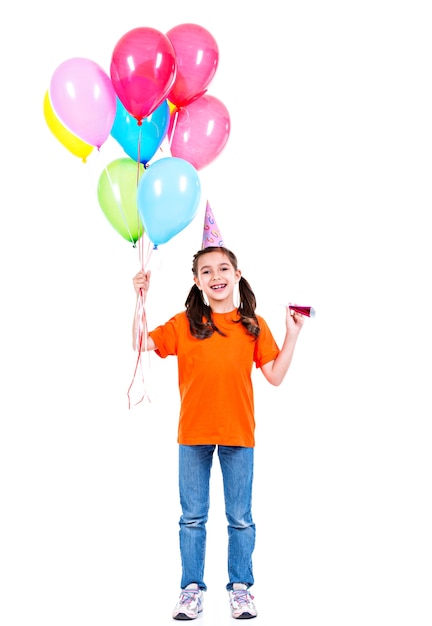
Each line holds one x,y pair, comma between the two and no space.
303,310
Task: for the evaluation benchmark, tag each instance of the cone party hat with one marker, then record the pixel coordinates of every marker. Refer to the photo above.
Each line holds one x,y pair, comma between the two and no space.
211,233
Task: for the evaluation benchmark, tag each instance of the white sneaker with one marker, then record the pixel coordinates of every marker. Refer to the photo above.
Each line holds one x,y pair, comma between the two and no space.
241,603
189,604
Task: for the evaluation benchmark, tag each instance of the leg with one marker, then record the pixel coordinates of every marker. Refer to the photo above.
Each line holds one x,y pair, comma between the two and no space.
194,483
237,471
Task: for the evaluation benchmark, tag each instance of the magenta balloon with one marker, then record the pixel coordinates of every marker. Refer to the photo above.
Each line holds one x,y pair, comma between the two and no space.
84,99
197,55
201,131
143,69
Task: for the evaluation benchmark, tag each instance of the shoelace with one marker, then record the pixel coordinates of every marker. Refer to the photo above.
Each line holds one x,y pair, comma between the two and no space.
188,596
242,596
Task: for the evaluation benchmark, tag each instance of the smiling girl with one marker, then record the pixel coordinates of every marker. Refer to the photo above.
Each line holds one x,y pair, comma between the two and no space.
216,343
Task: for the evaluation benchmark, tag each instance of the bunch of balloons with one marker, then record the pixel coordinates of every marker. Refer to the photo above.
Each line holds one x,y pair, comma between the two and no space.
156,91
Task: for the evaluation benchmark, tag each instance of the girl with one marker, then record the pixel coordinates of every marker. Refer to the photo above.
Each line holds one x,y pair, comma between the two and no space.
216,344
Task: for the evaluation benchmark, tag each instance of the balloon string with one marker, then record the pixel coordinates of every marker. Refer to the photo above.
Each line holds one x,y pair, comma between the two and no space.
141,345
145,250
176,115
139,154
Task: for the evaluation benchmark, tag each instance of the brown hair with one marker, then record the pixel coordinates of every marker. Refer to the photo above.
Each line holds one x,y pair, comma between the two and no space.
199,313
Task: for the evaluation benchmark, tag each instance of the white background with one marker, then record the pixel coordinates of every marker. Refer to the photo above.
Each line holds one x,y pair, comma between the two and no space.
324,193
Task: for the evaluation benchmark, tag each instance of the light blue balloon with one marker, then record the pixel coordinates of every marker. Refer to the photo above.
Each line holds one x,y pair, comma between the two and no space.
141,142
168,196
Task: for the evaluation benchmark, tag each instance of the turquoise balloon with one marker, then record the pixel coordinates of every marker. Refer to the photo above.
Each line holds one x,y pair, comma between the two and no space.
141,142
168,196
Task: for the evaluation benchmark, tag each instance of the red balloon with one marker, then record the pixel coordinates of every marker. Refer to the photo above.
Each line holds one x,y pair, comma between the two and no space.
200,130
143,69
197,56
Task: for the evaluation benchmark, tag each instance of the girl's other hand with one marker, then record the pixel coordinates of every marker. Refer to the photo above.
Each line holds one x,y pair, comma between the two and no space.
294,320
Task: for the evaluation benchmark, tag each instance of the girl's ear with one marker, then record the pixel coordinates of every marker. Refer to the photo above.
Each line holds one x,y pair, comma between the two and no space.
238,275
196,281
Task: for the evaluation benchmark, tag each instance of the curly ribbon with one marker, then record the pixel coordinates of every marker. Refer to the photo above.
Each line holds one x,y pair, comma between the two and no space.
141,329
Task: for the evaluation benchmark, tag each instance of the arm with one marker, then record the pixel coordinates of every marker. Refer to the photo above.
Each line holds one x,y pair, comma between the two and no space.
275,371
141,283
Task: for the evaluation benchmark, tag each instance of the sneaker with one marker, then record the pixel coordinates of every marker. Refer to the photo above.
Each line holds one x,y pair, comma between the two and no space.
242,606
189,604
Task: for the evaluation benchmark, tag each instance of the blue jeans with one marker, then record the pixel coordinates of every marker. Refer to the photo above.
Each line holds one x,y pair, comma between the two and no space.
195,464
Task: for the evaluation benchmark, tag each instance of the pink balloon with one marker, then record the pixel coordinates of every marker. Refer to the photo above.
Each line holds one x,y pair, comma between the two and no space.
84,99
143,68
200,131
197,55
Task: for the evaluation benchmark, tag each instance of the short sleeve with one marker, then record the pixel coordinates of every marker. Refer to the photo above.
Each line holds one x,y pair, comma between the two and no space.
166,336
266,348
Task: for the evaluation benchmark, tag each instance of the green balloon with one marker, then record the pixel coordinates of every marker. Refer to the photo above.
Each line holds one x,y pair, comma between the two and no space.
117,195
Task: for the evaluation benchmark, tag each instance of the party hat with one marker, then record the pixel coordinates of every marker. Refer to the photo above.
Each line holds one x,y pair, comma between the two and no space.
211,232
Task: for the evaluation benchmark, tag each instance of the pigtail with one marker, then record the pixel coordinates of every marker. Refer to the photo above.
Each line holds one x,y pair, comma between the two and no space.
247,308
199,315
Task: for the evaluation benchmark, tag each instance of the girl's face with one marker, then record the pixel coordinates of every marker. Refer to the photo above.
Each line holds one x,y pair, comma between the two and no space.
216,277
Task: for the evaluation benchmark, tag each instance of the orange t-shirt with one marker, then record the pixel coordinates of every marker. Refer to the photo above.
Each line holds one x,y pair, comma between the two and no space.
214,375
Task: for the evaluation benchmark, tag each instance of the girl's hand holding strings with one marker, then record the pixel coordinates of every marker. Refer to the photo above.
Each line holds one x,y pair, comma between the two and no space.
141,281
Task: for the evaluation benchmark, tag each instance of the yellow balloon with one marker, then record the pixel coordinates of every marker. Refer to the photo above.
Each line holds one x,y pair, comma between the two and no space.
172,107
74,144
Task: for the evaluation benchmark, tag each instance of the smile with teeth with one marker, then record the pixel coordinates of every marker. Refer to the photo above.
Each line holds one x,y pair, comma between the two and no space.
216,287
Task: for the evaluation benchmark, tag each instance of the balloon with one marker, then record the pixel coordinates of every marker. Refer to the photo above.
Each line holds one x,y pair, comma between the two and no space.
143,67
200,131
197,56
117,195
168,196
84,99
70,141
141,142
